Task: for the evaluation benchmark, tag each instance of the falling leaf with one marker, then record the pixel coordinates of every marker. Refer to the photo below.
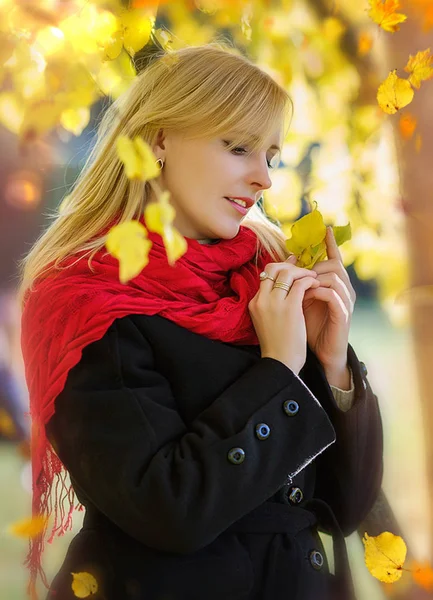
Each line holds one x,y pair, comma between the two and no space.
365,43
7,426
420,68
308,238
137,157
28,528
84,584
129,244
394,93
385,555
423,575
136,29
383,12
75,120
407,125
159,217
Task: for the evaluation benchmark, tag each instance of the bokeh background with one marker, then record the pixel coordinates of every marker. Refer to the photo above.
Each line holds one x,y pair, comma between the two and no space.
62,63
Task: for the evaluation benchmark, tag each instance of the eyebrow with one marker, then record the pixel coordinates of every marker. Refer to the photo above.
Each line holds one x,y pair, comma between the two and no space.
255,137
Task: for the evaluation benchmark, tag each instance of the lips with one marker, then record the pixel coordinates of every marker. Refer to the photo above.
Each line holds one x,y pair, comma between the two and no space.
243,210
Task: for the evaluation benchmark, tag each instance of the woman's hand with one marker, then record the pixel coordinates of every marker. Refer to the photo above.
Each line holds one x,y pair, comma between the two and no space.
328,309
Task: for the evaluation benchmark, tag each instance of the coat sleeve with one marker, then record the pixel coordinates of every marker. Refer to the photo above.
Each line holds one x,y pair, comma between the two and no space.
118,432
349,474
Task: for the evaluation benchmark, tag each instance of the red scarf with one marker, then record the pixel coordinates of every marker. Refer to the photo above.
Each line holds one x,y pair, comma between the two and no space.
207,291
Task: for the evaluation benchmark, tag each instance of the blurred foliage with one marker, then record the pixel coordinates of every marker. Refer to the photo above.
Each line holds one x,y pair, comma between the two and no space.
60,57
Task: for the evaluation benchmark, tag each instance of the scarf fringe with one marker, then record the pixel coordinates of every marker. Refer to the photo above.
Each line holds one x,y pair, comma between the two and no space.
48,498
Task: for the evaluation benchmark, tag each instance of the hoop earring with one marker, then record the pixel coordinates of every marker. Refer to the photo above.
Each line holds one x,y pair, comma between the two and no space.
161,163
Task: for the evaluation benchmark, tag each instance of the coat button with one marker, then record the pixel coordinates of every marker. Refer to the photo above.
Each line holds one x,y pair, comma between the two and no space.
316,560
236,456
363,369
290,407
262,431
295,495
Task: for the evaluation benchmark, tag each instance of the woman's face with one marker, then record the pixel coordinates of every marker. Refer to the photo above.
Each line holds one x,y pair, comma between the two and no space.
200,173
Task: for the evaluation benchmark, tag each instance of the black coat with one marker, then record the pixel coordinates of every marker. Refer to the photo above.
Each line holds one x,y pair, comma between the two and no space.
196,461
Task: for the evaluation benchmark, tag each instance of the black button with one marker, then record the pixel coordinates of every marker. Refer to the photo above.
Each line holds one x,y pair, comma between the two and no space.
290,407
236,456
262,431
295,495
363,369
316,560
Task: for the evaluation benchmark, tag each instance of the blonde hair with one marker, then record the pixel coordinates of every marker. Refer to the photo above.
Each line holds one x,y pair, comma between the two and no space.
200,92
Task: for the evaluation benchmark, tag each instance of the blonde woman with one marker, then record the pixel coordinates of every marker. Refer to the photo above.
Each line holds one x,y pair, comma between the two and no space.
212,415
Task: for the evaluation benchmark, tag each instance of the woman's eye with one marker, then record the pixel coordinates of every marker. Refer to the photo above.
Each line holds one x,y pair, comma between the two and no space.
242,149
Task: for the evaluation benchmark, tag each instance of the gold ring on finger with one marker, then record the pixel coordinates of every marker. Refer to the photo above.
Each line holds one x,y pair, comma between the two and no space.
263,275
282,285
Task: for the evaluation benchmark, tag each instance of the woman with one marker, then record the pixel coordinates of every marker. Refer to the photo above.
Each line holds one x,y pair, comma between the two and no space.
192,406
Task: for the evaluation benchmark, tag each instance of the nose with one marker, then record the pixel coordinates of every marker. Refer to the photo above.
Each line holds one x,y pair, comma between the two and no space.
259,175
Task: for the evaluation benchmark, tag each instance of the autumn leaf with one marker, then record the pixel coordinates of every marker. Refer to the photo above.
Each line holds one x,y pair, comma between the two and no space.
394,93
420,68
75,119
137,157
365,43
159,217
418,143
129,244
383,12
84,584
308,239
385,555
407,125
422,574
7,426
28,528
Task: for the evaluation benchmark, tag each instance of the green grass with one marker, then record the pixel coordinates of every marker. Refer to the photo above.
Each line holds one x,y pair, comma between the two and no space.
388,355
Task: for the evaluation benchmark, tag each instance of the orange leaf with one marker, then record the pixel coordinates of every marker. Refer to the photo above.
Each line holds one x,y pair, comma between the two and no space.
418,142
383,12
28,528
365,43
420,68
423,575
407,125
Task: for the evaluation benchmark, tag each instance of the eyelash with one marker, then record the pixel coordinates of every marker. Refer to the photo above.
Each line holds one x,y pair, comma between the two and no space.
244,149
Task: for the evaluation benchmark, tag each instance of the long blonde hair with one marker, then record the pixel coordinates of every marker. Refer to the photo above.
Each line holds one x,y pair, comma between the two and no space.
199,91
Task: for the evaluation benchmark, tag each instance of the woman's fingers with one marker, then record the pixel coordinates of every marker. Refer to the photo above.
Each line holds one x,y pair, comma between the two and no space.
333,281
337,308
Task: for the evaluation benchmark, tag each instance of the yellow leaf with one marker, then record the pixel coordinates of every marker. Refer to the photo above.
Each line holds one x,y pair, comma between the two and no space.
407,125
175,244
84,584
137,26
75,119
308,238
159,214
149,167
384,556
114,46
129,244
7,427
383,12
28,528
394,93
420,68
137,157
